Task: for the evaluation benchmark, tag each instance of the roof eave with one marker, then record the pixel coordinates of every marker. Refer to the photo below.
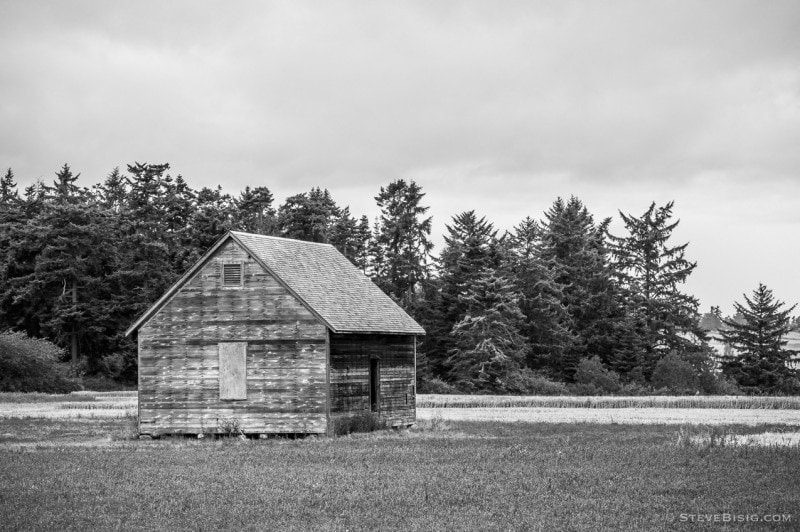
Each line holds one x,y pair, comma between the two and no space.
396,333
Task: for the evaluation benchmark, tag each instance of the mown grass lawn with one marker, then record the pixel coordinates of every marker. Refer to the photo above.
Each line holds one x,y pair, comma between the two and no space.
73,475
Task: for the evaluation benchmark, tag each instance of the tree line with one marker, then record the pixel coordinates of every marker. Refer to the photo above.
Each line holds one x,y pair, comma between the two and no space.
553,303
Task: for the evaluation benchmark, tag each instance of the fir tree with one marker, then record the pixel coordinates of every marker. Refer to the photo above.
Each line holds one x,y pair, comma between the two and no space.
402,245
255,211
308,216
71,280
629,355
212,217
112,194
351,238
470,250
8,189
760,358
146,188
650,271
64,189
471,247
547,325
490,351
146,268
57,271
573,248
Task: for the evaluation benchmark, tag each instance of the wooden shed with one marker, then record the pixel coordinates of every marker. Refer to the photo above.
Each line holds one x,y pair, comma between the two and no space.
273,335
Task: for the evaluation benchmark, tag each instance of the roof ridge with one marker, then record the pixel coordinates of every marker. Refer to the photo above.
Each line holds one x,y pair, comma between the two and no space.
321,278
271,237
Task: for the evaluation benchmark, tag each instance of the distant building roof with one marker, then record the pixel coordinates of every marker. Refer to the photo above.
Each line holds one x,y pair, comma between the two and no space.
328,284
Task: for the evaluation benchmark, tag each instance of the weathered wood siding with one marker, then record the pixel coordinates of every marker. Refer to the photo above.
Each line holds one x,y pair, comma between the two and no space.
179,387
349,375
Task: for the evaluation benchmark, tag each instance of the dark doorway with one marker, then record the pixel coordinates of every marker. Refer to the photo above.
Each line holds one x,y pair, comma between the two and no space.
374,384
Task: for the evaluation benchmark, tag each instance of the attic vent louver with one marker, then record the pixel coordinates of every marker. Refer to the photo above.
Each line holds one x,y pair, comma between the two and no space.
232,274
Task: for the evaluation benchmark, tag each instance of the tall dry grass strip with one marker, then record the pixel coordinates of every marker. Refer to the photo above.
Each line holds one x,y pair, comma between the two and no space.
621,416
72,405
650,401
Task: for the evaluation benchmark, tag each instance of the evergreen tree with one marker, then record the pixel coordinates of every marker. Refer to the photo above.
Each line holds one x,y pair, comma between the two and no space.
470,250
8,189
629,356
547,326
711,320
213,216
363,235
490,351
145,266
650,272
573,248
64,189
351,237
12,219
145,193
177,204
760,359
255,211
308,216
113,193
70,282
56,270
34,198
402,243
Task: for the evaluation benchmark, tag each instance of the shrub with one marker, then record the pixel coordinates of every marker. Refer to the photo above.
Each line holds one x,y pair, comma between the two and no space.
790,386
229,426
541,385
674,374
101,383
592,378
635,388
718,384
31,365
120,366
437,386
636,376
584,389
361,422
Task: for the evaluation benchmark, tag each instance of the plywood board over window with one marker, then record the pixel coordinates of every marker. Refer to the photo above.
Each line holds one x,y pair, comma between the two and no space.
233,370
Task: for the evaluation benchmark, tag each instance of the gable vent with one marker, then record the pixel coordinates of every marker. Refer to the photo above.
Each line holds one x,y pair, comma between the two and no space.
232,274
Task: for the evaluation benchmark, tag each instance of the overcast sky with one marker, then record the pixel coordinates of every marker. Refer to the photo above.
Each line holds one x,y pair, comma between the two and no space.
499,107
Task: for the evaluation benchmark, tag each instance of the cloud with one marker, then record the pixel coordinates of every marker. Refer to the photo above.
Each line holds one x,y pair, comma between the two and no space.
618,90
499,107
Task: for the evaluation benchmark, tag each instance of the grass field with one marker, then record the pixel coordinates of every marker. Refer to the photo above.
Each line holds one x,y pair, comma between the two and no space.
71,474
86,473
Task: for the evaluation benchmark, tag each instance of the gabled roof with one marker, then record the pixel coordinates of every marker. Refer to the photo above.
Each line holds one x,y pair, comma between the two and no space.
323,279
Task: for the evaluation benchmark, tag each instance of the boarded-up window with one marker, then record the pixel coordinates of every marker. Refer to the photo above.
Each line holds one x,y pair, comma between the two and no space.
232,274
233,370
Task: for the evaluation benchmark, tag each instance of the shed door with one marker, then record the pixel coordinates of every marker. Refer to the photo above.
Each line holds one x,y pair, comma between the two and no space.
233,370
374,384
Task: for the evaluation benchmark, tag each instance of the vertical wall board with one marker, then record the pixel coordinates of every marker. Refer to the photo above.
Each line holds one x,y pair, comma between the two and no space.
233,370
328,424
139,381
350,356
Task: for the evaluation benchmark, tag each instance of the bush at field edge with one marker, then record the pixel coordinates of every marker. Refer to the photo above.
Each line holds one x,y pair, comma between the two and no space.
32,365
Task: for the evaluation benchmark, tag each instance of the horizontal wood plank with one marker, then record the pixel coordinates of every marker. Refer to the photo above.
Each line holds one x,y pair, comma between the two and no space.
285,361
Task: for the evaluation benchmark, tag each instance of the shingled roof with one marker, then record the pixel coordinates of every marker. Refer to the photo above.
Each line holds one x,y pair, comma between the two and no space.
326,282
